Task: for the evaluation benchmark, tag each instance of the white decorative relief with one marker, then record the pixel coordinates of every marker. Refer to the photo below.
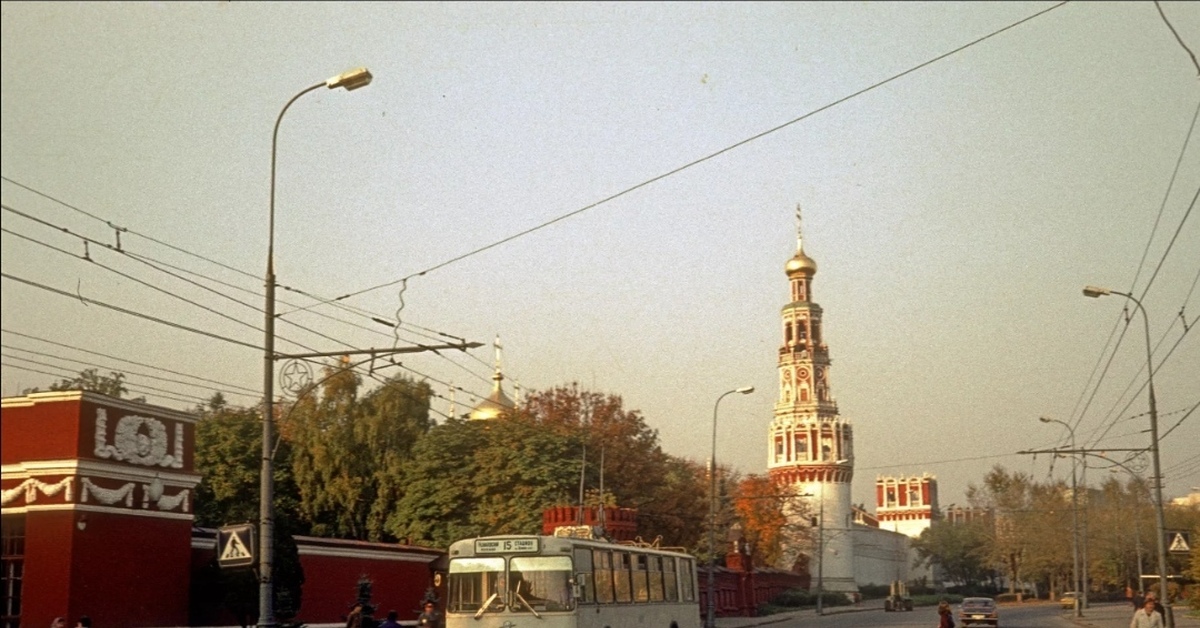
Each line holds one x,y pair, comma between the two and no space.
138,440
171,502
32,486
106,496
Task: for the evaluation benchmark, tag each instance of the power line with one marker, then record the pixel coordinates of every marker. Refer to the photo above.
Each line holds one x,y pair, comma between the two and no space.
248,392
147,261
703,159
116,308
66,374
112,357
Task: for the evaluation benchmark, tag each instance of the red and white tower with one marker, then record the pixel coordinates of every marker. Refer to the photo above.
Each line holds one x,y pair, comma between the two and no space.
810,448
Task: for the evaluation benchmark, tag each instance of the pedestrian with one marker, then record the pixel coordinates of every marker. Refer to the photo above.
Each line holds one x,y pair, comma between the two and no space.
355,618
1158,607
945,615
59,622
430,618
391,621
1138,600
1147,616
84,622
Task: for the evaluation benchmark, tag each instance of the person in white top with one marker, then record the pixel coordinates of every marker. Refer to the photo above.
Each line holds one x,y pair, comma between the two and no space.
1146,617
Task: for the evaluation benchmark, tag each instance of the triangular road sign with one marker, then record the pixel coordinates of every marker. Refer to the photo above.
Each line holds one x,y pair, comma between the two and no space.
1179,543
235,546
234,549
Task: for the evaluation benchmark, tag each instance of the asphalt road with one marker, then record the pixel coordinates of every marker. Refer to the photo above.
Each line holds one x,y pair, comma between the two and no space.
1033,616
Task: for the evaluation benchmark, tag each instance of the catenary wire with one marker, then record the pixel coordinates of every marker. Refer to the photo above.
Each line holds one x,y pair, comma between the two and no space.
703,159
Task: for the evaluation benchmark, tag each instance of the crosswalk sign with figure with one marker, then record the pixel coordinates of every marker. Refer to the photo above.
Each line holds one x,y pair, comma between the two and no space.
1178,542
235,546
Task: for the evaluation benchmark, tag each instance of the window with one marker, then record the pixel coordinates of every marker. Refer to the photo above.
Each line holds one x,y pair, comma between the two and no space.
475,583
641,583
603,566
656,579
688,580
540,583
14,568
801,447
624,589
670,581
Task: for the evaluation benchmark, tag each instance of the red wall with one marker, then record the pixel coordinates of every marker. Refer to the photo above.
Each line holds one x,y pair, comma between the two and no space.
48,538
47,431
331,584
118,554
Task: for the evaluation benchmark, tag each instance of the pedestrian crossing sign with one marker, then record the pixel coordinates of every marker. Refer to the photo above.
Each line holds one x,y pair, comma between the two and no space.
1178,542
235,546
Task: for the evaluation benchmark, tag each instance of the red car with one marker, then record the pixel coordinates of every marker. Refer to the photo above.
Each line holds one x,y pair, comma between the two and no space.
978,610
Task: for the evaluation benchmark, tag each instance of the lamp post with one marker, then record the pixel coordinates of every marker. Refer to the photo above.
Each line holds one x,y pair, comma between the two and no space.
710,620
1074,520
1159,520
351,80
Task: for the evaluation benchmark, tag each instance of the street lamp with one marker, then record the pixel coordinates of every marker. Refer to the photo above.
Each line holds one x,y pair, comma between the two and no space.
351,80
710,620
1159,520
1074,521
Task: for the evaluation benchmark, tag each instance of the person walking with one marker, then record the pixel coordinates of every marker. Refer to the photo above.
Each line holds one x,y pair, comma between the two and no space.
945,615
1147,616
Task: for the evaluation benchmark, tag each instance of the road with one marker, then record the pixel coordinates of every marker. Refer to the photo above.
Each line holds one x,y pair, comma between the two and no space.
1033,616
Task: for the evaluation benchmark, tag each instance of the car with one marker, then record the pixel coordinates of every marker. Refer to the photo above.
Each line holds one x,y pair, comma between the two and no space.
978,610
1067,600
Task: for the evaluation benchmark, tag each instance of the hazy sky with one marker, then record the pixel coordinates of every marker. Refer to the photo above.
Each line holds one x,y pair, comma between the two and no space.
955,212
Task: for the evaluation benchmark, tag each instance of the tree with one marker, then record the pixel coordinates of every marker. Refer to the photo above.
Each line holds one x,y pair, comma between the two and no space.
772,519
349,453
112,384
228,457
960,549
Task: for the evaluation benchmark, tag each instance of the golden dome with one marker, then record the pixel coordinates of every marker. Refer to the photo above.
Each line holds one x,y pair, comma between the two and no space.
496,404
801,263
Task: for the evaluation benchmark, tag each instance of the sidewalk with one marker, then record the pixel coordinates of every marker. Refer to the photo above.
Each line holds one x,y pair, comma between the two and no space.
1117,615
747,622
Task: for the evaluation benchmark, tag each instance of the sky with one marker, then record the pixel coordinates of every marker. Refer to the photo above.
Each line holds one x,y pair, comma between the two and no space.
611,189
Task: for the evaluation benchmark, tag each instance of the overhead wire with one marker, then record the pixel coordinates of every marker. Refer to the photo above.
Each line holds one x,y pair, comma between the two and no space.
700,160
151,262
136,363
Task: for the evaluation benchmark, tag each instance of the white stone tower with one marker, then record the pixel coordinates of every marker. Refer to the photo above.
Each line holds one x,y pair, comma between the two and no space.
809,447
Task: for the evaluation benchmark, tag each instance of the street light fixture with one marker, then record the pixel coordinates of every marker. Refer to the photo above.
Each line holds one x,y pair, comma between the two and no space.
350,81
1075,583
1159,520
711,619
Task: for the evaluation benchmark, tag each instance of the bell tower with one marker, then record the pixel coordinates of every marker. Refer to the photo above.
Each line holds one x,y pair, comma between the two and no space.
809,447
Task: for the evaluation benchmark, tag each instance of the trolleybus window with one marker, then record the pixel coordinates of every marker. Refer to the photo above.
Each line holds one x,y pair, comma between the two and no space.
641,584
604,576
688,580
656,579
621,577
671,581
476,583
540,583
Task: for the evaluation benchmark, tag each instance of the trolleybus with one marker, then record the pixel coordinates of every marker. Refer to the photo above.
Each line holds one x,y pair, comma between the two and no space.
563,581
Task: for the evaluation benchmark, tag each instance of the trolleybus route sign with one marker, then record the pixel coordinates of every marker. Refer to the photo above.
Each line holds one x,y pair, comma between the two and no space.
500,546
